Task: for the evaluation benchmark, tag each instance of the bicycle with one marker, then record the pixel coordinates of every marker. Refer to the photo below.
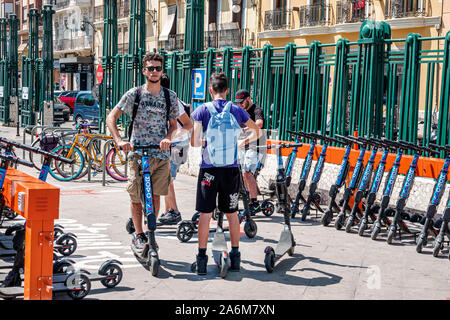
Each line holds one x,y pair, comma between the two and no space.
84,146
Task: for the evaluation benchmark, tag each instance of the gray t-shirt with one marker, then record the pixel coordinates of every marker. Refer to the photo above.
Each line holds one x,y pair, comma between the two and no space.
150,124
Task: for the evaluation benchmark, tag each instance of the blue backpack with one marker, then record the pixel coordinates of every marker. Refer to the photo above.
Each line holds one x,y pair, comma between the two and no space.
222,136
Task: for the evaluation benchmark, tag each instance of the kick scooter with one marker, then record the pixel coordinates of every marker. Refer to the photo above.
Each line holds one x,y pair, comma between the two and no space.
408,183
356,177
306,168
149,255
334,189
405,190
444,230
371,197
286,244
365,181
435,200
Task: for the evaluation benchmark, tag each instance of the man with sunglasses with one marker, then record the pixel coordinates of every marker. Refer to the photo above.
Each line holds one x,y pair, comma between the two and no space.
154,112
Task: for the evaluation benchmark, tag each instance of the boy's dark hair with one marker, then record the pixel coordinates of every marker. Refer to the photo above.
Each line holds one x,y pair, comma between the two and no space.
218,82
152,56
165,81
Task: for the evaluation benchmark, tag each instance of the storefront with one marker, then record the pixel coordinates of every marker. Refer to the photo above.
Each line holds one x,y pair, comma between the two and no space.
76,73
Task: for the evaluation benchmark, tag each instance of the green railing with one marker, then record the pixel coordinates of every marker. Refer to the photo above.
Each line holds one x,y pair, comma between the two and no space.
372,87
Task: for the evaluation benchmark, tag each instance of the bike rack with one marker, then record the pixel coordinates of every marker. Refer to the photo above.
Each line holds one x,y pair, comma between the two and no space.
33,130
38,202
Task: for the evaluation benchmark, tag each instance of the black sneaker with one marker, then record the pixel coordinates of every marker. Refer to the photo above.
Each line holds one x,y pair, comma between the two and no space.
202,263
139,242
235,261
172,217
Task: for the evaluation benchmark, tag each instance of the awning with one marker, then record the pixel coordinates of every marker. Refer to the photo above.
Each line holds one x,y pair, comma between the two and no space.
171,14
22,47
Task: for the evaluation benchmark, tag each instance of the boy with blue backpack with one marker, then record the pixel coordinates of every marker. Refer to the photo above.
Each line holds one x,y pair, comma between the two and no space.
219,122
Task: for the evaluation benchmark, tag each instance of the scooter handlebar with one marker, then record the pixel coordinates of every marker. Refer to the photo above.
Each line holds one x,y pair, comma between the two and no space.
37,150
441,148
350,140
10,158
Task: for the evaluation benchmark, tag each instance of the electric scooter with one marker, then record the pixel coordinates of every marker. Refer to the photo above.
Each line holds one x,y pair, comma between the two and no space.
405,190
286,244
356,177
365,181
444,230
371,197
397,221
334,189
149,254
435,200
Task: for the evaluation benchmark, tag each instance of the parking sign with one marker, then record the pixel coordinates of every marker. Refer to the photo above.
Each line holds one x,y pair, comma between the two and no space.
198,84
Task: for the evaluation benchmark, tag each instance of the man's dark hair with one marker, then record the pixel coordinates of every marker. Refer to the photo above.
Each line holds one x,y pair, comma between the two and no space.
152,56
218,82
165,81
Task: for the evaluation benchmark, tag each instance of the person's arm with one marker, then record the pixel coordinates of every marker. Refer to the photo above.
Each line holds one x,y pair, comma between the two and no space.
196,135
255,133
111,123
166,142
260,123
187,126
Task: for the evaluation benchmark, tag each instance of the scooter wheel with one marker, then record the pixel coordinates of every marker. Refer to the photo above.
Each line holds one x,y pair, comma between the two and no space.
68,244
215,214
154,265
304,214
224,264
130,226
10,214
194,267
420,244
362,228
339,222
267,208
326,218
62,266
269,260
113,273
185,231
437,248
390,236
349,225
57,231
79,285
375,232
250,228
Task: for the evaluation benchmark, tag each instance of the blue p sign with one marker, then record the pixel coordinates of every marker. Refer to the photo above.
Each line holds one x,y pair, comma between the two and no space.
198,84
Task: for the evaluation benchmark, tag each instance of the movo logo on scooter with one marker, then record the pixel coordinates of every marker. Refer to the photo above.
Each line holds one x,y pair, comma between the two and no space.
148,194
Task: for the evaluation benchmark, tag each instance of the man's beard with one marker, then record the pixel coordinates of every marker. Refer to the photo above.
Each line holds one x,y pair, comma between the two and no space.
153,81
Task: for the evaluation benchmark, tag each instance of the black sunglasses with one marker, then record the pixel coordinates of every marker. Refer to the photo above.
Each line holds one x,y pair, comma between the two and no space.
151,68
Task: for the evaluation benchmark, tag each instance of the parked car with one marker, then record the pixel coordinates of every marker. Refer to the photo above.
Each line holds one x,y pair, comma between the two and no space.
86,108
61,112
68,98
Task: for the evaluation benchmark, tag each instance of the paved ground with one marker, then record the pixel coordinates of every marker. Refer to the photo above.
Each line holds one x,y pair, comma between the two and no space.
327,264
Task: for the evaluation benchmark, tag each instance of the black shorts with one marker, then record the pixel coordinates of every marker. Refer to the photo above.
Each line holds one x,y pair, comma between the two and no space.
222,181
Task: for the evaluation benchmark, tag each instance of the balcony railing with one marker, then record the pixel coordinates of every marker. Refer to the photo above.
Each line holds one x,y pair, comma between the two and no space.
175,42
72,44
277,19
98,13
235,38
314,15
350,11
405,8
60,4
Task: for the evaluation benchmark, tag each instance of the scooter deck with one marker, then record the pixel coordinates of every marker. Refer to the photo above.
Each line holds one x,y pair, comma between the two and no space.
61,277
6,264
219,245
285,242
7,253
11,292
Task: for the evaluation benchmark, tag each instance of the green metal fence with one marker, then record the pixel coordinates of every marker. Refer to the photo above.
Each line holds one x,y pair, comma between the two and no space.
371,87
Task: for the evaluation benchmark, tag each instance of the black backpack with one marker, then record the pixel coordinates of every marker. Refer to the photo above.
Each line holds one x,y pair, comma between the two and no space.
137,100
187,110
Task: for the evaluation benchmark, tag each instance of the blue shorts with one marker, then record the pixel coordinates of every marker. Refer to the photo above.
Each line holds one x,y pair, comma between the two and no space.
249,159
174,170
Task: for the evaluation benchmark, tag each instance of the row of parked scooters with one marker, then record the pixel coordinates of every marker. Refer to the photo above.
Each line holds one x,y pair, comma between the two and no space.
351,211
66,278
